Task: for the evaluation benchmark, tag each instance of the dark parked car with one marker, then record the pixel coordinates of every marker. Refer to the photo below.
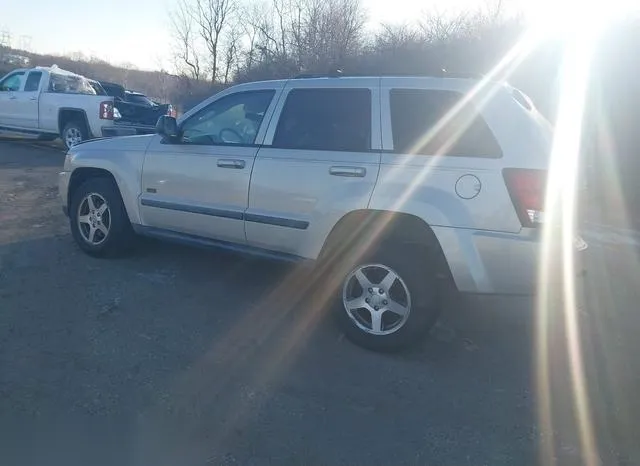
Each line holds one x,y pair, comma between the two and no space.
135,112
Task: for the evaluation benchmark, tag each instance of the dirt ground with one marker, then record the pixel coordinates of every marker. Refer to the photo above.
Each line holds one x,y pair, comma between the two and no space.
175,356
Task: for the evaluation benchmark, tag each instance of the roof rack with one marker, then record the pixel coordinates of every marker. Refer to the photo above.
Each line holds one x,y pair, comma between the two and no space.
331,74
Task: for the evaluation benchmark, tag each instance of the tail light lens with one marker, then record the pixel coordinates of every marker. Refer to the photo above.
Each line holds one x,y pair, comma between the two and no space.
106,110
527,188
171,111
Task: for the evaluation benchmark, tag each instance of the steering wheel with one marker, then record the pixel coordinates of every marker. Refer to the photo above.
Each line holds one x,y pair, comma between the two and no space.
233,132
199,137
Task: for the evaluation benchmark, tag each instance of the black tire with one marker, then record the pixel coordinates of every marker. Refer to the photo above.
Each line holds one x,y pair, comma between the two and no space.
120,237
78,128
418,273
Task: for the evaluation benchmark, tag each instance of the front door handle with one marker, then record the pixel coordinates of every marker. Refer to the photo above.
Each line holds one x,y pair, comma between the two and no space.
33,98
353,172
230,163
13,97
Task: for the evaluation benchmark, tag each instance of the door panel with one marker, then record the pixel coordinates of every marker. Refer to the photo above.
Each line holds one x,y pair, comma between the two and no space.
297,201
185,189
298,194
200,184
27,101
10,87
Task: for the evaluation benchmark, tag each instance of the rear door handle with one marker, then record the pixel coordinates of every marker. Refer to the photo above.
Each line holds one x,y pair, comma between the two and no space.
231,163
353,172
33,98
13,97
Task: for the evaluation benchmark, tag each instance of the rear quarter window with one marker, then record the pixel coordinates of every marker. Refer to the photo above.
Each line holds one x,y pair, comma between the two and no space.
434,122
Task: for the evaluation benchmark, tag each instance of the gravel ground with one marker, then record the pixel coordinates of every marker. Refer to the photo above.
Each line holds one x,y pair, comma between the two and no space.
175,356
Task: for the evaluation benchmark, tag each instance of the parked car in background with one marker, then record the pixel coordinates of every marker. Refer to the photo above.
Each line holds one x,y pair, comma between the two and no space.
135,109
51,103
395,187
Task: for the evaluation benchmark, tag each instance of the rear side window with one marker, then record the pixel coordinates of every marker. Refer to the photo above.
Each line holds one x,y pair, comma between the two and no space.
325,119
423,122
33,81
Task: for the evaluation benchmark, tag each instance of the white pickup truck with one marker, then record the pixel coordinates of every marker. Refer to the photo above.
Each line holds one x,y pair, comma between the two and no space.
51,102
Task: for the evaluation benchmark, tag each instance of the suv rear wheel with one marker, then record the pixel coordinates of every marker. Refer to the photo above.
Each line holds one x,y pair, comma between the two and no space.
389,298
99,221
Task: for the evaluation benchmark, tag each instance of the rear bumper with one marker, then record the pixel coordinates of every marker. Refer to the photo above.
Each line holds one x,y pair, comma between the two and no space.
501,263
126,129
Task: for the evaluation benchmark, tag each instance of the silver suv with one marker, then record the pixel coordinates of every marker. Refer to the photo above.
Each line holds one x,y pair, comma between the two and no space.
392,185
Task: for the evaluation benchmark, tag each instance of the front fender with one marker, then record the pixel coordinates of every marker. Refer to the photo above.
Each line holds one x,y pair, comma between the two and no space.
125,165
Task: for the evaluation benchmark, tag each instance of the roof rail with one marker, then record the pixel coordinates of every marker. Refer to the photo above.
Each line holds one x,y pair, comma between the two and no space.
442,73
331,74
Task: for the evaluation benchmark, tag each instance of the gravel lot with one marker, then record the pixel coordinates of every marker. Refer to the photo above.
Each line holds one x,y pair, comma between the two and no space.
176,356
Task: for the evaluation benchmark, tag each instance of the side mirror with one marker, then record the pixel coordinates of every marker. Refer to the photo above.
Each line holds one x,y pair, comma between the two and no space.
167,126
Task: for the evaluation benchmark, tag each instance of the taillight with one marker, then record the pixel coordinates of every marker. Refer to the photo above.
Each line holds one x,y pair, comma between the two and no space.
527,189
171,111
106,110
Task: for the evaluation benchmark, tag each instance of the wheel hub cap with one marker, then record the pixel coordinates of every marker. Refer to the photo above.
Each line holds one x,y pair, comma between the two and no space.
376,299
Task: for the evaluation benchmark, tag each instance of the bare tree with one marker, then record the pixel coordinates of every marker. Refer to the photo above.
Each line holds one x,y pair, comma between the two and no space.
267,27
436,27
232,51
186,54
212,16
325,32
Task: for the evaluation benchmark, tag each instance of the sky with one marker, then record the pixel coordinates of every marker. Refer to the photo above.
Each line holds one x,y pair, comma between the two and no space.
138,31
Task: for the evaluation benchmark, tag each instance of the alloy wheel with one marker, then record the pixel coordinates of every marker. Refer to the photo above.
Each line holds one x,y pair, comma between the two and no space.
94,219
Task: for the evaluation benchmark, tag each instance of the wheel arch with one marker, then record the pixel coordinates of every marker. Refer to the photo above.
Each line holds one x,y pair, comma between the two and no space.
82,174
67,114
378,226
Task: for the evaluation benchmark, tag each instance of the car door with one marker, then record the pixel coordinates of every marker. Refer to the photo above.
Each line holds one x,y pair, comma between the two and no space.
199,184
26,101
319,161
9,88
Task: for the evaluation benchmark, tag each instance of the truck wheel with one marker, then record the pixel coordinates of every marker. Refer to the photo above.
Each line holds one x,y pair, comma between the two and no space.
98,219
74,132
389,298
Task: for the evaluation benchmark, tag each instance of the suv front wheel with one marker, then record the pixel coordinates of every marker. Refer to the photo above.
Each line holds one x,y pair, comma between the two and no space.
389,298
99,221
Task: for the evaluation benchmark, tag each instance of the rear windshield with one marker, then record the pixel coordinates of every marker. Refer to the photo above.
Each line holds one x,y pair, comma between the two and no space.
139,99
70,84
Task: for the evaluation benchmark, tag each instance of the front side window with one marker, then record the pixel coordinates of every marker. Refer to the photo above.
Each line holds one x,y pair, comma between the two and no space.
325,119
33,81
12,83
432,122
233,119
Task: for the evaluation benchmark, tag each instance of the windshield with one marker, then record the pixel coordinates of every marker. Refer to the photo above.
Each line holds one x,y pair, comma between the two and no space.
99,90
